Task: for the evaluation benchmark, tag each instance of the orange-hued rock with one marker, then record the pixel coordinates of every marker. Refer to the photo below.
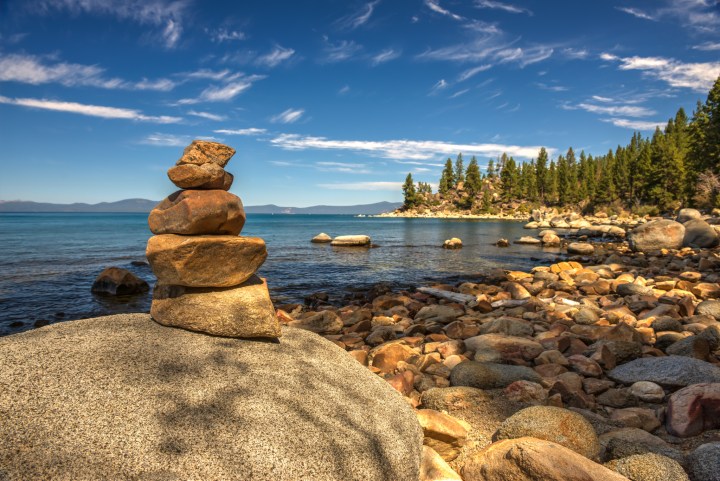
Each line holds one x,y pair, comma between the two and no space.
530,458
442,432
242,311
193,212
191,176
205,261
201,152
222,183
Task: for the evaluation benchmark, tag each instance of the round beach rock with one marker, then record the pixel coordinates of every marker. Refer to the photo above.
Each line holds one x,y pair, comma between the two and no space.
656,235
671,371
125,398
205,261
194,212
488,375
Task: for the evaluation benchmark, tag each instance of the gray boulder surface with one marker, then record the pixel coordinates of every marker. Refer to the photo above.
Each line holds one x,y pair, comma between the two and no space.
122,397
488,375
656,235
699,233
672,371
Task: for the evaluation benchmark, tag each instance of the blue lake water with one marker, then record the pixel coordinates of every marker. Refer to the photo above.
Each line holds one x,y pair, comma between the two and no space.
49,261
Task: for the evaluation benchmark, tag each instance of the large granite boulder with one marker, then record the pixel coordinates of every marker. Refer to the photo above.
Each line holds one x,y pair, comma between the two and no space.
656,235
687,214
205,261
670,371
699,233
194,212
122,398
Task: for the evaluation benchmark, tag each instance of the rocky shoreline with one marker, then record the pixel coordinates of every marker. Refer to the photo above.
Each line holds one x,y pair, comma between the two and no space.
604,364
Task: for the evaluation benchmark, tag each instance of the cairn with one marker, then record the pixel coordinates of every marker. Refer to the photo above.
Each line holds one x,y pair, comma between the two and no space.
205,269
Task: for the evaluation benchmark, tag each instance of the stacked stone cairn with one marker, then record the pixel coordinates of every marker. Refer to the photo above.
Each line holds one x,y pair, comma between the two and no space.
205,269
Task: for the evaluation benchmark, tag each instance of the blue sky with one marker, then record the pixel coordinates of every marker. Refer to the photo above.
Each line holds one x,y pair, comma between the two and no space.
330,102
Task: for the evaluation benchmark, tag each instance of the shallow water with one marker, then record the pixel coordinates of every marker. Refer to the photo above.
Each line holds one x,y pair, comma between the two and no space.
49,261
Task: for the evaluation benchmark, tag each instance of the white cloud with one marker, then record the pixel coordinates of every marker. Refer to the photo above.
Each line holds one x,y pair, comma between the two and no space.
696,76
166,140
167,14
385,56
343,50
236,84
708,46
207,115
342,167
551,88
393,186
501,6
472,72
489,47
636,13
575,54
598,98
459,93
207,74
289,116
344,89
89,110
434,5
34,70
626,110
358,18
249,131
224,35
634,124
275,57
439,85
402,149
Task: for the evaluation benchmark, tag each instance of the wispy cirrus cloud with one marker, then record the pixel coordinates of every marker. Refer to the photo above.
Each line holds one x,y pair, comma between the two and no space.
634,124
343,167
89,110
551,88
434,5
221,35
402,149
248,131
357,18
339,51
507,7
275,57
385,56
36,70
439,85
469,73
696,76
171,140
700,15
637,13
289,116
234,85
707,46
207,115
167,15
614,110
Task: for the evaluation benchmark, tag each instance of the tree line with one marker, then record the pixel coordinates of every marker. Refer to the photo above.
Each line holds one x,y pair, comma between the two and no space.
677,166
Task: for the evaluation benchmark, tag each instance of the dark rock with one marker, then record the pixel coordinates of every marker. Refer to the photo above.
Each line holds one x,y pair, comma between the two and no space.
670,371
699,233
115,281
486,375
704,463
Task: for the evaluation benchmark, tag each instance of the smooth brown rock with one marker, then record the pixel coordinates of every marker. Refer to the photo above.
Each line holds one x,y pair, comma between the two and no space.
201,152
561,426
205,261
442,432
325,322
454,243
321,238
434,468
694,409
196,212
223,183
527,458
387,356
115,281
242,311
190,176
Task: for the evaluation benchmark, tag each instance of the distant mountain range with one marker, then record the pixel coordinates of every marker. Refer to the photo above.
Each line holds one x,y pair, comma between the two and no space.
144,205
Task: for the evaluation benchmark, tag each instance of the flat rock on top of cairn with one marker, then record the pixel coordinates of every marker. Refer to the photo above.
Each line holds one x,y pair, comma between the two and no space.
205,261
194,212
201,152
242,311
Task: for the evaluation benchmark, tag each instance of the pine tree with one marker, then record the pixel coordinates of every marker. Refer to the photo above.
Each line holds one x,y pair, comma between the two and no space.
459,170
473,182
447,178
409,193
491,173
508,178
551,185
541,170
705,133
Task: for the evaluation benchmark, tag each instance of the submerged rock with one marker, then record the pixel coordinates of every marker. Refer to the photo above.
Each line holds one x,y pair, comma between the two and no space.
321,238
115,281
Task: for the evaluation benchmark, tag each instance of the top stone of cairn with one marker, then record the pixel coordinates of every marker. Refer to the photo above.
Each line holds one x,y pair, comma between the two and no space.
201,152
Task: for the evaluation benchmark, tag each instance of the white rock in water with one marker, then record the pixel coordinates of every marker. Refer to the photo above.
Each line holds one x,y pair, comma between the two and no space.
351,241
321,238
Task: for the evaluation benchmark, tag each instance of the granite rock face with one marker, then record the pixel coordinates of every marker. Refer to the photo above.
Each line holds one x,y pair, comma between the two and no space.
205,261
672,371
656,235
238,311
197,212
124,398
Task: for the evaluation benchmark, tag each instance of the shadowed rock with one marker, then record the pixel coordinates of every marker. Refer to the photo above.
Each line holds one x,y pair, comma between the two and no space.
115,281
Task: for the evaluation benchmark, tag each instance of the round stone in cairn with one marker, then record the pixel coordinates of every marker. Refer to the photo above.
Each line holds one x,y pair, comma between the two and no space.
241,311
206,176
195,212
205,261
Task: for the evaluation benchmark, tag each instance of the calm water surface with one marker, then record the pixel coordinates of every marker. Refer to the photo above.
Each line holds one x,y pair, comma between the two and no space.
49,261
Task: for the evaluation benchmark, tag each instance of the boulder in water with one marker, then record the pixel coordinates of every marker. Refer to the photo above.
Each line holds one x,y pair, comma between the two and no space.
115,281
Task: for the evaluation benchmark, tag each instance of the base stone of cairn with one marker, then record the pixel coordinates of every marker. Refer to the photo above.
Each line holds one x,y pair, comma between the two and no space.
205,269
